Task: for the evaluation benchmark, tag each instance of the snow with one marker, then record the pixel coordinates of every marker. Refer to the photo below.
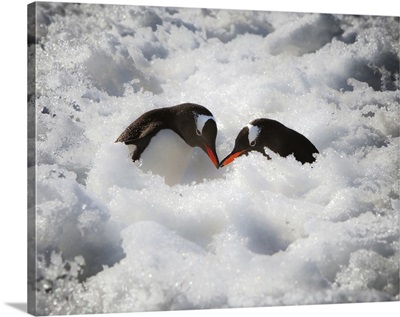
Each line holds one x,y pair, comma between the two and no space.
115,236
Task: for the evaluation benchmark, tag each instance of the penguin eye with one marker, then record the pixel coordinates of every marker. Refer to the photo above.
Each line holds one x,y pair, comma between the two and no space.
198,132
253,143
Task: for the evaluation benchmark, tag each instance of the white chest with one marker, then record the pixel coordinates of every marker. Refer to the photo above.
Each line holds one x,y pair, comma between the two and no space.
166,155
172,158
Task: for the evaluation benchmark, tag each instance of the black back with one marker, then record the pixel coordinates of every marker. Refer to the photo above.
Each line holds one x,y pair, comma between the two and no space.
278,138
285,141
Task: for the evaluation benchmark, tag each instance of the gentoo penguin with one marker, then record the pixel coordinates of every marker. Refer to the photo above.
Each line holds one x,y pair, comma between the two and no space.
194,123
261,133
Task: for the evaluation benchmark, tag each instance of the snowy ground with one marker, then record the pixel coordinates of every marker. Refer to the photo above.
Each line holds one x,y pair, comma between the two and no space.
112,237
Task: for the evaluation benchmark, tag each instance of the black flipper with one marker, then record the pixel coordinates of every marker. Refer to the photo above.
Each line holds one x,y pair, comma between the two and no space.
141,131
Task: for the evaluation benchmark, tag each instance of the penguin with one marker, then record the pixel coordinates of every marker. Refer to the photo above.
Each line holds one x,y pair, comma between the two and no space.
261,133
193,123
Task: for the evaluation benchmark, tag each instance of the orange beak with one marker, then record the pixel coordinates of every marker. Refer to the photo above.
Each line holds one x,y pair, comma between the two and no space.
212,156
229,159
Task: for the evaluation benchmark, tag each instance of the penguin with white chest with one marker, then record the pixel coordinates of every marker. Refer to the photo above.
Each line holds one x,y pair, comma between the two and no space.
164,138
261,133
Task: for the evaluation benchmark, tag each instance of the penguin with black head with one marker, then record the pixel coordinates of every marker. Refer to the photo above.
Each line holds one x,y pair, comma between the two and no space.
168,134
261,133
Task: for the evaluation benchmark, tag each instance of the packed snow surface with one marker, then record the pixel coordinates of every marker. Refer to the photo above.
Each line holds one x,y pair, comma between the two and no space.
113,236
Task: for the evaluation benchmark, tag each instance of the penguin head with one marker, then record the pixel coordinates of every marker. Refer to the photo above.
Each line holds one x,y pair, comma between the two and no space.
204,136
250,138
199,129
